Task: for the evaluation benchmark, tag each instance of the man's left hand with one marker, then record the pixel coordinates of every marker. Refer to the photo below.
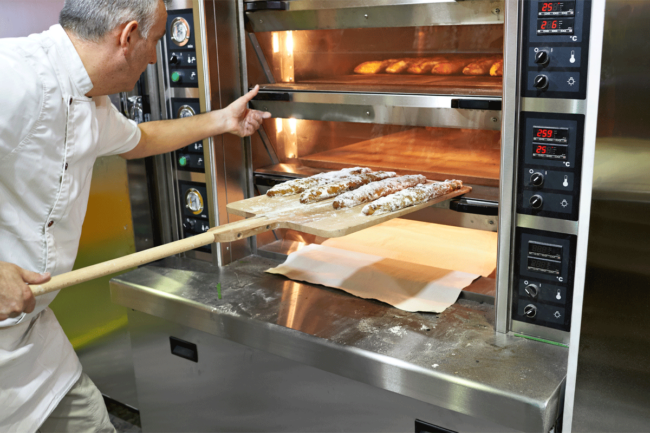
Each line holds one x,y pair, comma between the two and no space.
243,121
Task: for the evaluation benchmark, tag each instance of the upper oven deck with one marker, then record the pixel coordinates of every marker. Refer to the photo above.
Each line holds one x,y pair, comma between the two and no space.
376,47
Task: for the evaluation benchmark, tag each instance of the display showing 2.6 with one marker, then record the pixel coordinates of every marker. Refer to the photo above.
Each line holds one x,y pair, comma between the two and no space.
555,26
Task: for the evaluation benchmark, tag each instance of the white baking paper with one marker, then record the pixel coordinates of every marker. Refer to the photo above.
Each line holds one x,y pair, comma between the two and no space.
407,286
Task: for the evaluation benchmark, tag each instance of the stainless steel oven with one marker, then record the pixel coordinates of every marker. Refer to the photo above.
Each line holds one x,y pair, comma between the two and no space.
500,94
523,138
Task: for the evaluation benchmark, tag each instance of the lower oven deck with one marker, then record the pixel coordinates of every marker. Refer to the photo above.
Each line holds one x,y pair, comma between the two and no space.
453,361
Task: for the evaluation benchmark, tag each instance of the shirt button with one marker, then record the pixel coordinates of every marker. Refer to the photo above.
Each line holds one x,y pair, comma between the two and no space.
50,224
66,165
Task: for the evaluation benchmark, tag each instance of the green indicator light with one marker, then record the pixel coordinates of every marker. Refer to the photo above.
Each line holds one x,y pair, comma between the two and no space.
182,161
219,291
176,77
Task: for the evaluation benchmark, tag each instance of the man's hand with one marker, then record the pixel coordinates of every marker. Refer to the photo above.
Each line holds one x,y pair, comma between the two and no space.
15,295
241,120
168,135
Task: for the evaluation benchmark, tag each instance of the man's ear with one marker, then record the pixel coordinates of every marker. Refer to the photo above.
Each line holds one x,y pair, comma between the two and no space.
127,37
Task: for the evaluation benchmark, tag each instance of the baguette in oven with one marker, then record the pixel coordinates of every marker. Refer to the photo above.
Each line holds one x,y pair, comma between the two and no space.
373,67
375,190
297,186
424,66
451,67
497,69
400,66
333,189
480,67
411,196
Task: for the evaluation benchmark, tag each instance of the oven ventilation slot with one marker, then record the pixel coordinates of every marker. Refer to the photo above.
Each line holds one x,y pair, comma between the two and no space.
267,16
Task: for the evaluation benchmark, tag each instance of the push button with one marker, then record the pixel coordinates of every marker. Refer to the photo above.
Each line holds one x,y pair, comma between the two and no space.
50,224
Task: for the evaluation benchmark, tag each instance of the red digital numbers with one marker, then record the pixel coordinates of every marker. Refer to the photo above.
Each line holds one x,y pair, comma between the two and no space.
547,7
543,27
540,149
545,133
554,25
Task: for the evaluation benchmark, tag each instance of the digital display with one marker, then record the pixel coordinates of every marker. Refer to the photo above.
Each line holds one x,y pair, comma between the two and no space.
549,9
549,251
550,134
544,266
560,26
549,151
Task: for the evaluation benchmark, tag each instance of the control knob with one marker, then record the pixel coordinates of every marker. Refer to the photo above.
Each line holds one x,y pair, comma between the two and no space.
180,31
537,179
189,224
536,201
530,311
541,82
194,201
174,60
185,111
542,58
532,290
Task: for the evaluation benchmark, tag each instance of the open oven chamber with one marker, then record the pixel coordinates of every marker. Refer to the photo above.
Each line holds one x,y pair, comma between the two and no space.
395,115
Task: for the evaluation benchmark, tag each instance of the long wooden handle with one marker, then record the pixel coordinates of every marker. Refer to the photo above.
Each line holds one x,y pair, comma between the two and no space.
226,233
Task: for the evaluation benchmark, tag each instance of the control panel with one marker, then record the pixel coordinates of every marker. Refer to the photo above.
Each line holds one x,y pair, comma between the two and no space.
554,63
181,49
195,219
189,158
545,266
556,36
550,160
182,68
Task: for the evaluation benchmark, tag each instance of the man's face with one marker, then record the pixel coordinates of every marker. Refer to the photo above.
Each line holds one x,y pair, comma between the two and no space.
144,52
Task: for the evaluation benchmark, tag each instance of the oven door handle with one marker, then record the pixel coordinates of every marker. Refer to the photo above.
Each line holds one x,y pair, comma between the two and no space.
272,96
269,5
476,104
478,207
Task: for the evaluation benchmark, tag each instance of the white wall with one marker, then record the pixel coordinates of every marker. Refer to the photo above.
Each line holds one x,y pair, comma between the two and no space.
24,17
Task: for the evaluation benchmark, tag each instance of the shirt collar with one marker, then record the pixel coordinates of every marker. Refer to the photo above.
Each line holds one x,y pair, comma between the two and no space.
71,61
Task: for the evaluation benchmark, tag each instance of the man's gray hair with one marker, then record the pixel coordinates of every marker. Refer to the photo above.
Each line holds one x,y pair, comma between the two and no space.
93,19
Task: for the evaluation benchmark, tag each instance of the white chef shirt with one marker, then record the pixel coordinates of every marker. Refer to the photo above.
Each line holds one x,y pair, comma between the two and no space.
50,136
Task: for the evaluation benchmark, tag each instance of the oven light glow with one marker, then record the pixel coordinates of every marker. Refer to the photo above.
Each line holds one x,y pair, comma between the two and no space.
289,42
292,126
276,43
278,125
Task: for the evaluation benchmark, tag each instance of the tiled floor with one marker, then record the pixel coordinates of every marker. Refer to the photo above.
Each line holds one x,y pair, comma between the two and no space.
124,418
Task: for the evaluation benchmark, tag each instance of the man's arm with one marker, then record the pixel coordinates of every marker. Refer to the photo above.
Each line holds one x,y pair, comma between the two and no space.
15,295
168,135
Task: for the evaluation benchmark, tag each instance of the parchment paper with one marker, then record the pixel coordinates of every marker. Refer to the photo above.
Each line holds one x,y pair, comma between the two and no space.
443,246
407,286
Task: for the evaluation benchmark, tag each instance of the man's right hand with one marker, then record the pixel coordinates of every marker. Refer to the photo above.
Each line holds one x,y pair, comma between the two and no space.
15,295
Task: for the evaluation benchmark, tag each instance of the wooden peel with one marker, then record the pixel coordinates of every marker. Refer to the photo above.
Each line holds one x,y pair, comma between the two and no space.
264,213
226,233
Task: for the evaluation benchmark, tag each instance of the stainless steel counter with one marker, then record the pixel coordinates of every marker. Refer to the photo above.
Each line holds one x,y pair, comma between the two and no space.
453,360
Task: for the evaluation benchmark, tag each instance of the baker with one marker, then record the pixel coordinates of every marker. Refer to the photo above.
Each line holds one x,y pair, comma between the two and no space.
55,121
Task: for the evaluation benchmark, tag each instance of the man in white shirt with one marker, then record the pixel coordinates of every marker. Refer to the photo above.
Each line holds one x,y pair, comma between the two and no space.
55,121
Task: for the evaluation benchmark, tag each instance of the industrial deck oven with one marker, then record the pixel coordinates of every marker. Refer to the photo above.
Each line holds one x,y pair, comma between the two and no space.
522,135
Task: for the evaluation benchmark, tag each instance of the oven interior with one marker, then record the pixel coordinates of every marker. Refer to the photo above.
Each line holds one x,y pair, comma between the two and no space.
324,62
